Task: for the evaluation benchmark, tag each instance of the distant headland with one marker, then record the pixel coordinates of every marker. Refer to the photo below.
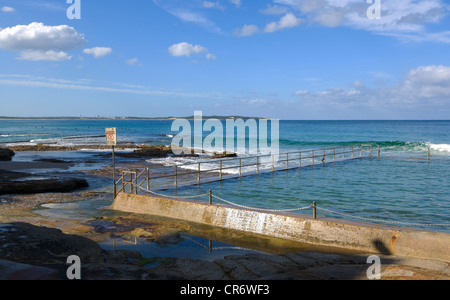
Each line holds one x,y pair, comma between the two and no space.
100,118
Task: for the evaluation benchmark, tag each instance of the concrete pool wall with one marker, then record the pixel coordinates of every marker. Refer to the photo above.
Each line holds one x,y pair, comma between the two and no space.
296,227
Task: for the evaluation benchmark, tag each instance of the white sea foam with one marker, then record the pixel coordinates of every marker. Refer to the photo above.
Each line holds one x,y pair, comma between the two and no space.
445,148
20,144
124,150
15,134
229,166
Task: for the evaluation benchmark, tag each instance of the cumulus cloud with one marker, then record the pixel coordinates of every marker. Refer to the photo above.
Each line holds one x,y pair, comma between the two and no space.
275,10
427,82
246,30
98,52
422,86
37,40
41,55
287,21
37,36
186,49
210,56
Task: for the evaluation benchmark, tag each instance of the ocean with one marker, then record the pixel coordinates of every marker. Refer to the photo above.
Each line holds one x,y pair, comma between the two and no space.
401,188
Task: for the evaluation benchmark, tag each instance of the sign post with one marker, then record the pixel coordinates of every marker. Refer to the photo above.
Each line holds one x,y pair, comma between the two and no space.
111,140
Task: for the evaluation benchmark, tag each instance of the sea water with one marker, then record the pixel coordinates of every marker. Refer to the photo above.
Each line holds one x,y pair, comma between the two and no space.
399,187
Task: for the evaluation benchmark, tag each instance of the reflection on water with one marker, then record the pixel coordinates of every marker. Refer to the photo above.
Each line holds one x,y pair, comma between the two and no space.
186,246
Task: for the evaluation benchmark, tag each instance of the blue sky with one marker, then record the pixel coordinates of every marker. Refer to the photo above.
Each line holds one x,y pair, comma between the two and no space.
287,59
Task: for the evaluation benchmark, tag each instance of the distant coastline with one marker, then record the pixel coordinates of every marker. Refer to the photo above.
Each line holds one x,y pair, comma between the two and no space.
2,118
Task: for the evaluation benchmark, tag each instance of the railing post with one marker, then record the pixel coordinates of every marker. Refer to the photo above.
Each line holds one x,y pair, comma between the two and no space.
148,179
273,163
115,186
176,178
300,160
135,183
131,183
210,197
240,167
314,210
257,165
123,183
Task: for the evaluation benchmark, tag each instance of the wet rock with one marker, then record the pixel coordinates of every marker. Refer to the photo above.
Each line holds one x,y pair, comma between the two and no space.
223,155
6,154
11,175
53,160
42,147
28,244
42,186
32,252
15,271
192,269
148,151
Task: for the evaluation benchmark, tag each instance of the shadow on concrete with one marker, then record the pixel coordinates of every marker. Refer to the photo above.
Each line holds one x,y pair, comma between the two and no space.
381,247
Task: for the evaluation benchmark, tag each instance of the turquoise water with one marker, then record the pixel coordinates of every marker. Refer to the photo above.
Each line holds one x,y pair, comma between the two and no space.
385,191
396,188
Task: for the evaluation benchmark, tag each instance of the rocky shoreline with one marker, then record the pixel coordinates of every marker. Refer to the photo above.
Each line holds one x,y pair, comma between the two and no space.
8,187
6,154
139,151
35,247
30,252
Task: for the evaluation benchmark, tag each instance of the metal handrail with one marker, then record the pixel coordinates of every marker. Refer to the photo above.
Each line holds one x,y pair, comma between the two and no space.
337,154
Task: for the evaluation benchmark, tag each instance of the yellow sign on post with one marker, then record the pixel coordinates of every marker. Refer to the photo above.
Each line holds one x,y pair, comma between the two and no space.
111,140
111,136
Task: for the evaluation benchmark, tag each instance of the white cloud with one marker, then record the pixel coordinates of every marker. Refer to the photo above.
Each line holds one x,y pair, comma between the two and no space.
7,9
237,3
133,61
406,19
216,5
427,82
186,14
37,36
287,21
210,56
98,52
275,10
424,86
42,55
93,86
186,49
246,30
38,42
